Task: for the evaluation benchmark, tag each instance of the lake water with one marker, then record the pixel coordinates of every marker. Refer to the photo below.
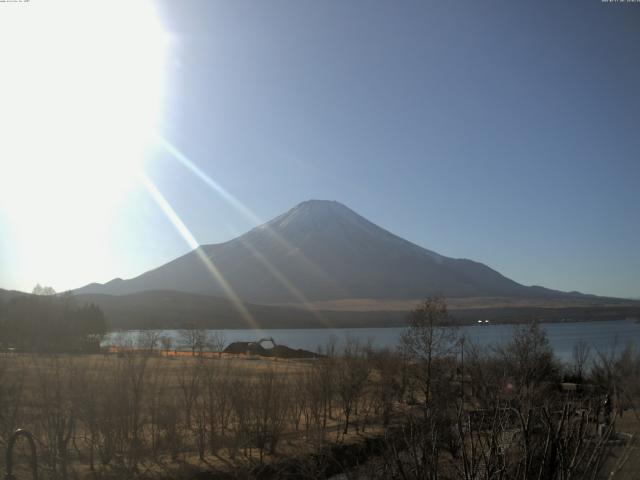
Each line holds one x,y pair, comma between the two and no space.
604,336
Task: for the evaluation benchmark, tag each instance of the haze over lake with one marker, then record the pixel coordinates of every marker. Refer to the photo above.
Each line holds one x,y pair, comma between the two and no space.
604,336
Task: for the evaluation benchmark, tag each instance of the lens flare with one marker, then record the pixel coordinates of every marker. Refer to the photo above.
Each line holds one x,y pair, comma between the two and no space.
252,217
186,234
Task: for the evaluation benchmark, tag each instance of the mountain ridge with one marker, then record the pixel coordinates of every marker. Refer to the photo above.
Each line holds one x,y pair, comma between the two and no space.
322,250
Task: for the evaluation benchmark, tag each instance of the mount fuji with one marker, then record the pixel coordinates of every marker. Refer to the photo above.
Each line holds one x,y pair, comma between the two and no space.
322,251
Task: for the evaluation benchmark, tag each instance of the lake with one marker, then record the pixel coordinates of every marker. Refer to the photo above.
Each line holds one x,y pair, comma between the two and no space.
604,336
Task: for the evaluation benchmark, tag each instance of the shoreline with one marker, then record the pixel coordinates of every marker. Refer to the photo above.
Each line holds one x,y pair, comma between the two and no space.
391,325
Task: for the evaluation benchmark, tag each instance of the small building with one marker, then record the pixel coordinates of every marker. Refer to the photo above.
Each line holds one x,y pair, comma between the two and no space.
246,348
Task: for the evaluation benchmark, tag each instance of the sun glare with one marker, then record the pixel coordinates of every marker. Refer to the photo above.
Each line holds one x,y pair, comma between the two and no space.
80,94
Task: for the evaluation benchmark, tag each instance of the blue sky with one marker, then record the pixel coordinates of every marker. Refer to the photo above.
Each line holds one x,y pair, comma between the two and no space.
505,132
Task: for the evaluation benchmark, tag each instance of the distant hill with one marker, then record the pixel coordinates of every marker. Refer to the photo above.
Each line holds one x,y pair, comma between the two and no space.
175,310
9,294
322,250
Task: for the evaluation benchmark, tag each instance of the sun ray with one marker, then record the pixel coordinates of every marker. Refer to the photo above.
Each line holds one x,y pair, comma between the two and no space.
252,217
215,186
286,283
186,234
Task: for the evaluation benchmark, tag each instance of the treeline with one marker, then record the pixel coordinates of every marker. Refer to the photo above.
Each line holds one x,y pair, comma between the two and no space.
437,407
50,323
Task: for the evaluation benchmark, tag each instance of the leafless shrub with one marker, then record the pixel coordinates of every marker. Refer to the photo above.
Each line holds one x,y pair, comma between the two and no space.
351,377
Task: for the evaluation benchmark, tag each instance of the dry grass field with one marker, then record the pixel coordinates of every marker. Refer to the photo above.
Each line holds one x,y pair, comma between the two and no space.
392,305
419,412
163,416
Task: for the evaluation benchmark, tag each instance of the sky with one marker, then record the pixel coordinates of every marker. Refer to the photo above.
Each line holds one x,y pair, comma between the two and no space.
504,132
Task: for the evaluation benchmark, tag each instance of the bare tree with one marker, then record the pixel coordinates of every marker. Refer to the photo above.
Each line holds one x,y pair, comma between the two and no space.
488,373
240,395
190,383
428,336
269,407
57,412
89,382
155,405
195,339
581,357
532,365
134,376
217,341
351,377
169,425
388,387
122,341
618,372
11,400
167,343
204,341
148,340
215,401
316,387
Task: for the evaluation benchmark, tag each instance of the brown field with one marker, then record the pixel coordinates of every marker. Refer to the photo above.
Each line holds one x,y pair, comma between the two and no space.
403,305
154,415
105,415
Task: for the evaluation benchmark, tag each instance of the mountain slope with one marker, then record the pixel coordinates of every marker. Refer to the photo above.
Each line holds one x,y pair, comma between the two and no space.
322,250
